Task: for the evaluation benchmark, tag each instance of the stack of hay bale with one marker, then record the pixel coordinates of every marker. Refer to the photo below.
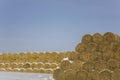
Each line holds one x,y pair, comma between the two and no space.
96,57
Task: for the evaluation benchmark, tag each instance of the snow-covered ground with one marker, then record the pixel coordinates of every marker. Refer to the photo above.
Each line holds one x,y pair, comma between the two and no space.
24,76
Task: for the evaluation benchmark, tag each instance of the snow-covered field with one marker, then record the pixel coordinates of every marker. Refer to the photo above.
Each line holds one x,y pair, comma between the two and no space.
24,76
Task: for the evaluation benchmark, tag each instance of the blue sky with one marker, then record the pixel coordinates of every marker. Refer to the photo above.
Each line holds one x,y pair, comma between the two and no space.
54,25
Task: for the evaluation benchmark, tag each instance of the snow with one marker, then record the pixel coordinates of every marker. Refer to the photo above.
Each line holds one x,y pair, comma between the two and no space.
24,76
67,59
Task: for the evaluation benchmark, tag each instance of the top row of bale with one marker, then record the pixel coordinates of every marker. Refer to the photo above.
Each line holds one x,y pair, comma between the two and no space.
98,42
98,38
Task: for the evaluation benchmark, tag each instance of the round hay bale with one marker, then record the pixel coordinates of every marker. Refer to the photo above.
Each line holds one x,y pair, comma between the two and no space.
88,66
113,64
117,55
2,69
70,74
20,65
46,66
2,65
95,56
7,65
116,74
22,70
81,47
53,66
65,65
73,56
42,70
49,71
13,65
108,55
40,65
84,56
29,70
105,75
76,65
16,69
114,46
100,65
81,75
26,65
59,74
89,57
109,37
34,65
91,47
97,38
9,69
87,38
93,75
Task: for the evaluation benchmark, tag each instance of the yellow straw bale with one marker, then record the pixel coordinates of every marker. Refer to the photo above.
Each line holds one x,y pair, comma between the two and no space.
49,71
88,66
87,38
92,47
2,65
84,56
40,65
81,47
109,37
33,65
26,65
100,65
97,38
117,55
70,75
113,64
105,75
73,56
20,65
76,65
93,75
41,70
14,65
46,66
65,65
108,55
114,46
81,75
53,66
95,56
116,74
59,74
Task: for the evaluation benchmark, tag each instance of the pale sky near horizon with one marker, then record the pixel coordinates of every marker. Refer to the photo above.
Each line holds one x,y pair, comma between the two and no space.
54,25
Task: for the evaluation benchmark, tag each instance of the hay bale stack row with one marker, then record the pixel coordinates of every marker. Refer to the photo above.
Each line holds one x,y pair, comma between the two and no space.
52,57
31,61
29,67
96,57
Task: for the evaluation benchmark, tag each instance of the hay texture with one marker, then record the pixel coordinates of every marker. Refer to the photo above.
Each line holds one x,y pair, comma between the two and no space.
70,74
77,65
59,74
113,64
116,74
97,38
81,75
105,75
93,75
88,66
87,38
100,65
98,58
65,65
